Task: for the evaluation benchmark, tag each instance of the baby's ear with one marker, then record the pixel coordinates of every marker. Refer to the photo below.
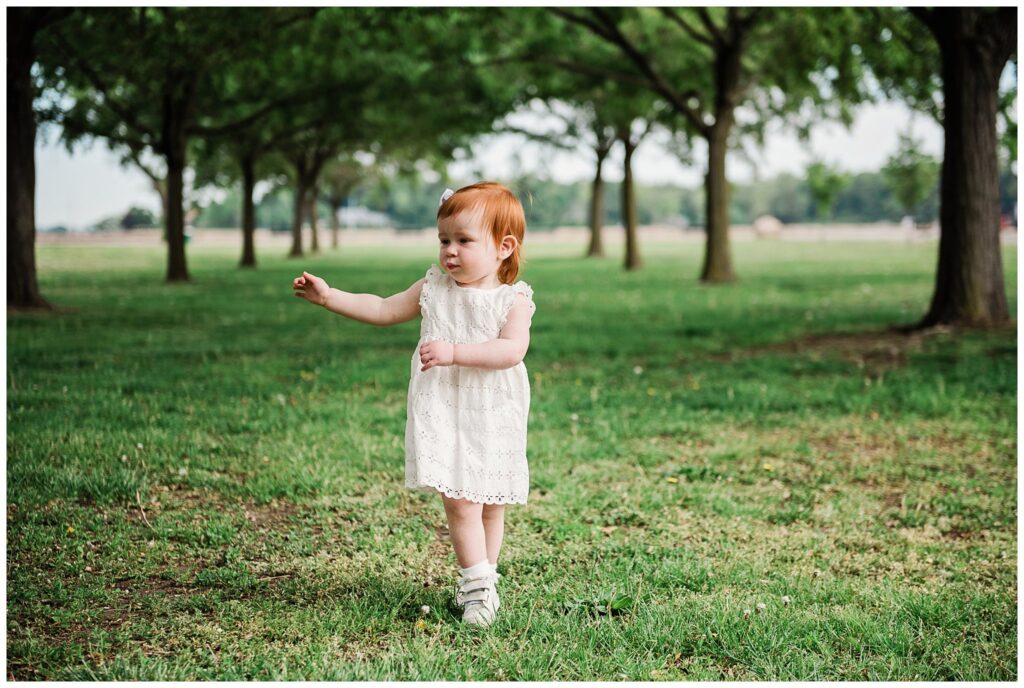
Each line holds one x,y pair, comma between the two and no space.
508,245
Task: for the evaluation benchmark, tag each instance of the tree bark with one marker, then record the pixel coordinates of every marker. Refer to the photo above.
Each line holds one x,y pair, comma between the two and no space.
175,145
969,282
717,250
337,203
311,210
297,212
596,248
717,266
308,164
248,213
633,261
22,282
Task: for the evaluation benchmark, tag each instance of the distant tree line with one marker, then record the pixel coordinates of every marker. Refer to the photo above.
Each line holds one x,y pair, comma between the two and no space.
865,197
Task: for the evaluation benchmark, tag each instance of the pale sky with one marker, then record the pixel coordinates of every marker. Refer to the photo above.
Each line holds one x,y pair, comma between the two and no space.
81,189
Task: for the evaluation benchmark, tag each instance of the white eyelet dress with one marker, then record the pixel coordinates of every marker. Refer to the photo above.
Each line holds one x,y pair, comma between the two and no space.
465,435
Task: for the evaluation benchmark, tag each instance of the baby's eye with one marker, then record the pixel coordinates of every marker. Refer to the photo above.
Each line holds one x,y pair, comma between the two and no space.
444,242
464,241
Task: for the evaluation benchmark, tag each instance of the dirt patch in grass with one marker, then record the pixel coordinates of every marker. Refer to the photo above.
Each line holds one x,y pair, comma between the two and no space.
875,351
852,342
165,499
134,599
131,604
893,500
274,513
155,585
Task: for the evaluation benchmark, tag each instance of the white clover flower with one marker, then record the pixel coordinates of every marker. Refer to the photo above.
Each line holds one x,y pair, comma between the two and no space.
637,370
424,610
761,606
746,613
786,600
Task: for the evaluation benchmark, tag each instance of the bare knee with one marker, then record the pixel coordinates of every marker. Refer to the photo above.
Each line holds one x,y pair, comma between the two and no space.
493,512
461,509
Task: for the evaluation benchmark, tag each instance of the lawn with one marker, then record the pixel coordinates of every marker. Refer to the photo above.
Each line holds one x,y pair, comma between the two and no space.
204,481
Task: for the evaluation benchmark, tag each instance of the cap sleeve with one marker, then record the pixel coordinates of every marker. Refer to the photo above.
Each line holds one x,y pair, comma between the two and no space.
518,288
431,280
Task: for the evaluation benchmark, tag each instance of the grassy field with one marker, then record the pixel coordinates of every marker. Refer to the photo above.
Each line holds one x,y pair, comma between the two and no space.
204,481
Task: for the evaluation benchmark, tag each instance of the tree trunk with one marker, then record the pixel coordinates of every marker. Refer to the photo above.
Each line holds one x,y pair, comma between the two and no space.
717,266
632,261
174,144
969,283
717,253
22,284
248,213
297,212
337,203
314,231
596,248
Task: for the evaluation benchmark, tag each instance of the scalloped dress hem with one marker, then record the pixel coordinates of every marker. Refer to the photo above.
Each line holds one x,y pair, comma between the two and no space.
465,494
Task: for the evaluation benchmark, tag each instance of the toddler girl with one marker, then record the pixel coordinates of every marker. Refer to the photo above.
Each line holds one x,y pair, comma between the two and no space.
469,396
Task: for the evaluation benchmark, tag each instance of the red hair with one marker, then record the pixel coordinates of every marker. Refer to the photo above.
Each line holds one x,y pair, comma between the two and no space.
501,214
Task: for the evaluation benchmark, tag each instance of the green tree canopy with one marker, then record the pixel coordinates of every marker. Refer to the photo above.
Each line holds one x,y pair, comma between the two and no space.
707,63
910,174
142,78
825,183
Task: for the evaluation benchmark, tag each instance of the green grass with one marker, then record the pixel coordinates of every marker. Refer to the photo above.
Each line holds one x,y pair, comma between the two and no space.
204,481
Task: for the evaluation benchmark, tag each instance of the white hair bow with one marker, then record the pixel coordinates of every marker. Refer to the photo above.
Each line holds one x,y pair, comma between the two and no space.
448,193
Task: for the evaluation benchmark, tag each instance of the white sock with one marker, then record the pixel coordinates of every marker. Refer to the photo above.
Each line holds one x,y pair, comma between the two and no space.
477,570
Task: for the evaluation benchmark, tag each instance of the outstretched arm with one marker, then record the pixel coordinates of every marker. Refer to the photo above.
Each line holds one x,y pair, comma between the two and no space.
506,351
367,308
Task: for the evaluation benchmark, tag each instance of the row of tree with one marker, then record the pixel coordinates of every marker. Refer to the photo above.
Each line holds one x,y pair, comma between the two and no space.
405,203
239,94
906,186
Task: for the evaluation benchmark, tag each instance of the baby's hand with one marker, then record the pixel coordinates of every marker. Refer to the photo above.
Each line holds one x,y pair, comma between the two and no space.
312,288
436,353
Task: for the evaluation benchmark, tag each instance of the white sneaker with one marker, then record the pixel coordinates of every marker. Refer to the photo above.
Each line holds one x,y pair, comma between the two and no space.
478,599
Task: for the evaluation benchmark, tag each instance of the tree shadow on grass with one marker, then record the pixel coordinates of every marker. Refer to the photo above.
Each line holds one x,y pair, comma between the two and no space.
890,343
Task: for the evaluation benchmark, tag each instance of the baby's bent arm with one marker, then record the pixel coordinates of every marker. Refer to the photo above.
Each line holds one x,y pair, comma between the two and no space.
372,309
508,349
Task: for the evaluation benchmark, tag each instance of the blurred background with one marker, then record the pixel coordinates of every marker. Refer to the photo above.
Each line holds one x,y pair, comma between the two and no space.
285,123
832,133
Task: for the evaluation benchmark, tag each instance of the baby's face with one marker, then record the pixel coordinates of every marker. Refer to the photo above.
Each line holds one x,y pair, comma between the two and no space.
467,251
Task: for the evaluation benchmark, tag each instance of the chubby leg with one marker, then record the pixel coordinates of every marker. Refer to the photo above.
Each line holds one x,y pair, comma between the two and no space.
466,526
494,529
